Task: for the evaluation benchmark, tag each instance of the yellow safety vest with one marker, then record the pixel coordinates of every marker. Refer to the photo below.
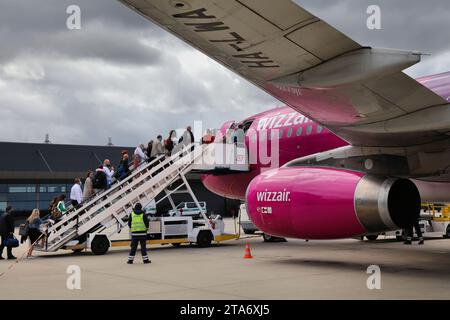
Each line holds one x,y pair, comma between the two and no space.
137,223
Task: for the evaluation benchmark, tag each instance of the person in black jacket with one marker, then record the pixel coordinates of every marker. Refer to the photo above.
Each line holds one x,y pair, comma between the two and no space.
6,229
138,223
123,170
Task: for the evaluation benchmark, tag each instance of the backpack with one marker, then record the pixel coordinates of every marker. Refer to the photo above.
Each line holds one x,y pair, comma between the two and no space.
99,180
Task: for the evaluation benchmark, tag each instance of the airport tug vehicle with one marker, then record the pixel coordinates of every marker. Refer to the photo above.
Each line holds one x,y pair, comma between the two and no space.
93,225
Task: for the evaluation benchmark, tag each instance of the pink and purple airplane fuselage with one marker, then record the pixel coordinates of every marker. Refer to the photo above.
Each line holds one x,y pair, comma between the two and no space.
311,202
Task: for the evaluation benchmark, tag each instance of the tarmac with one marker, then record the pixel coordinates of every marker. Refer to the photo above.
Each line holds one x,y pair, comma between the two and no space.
295,269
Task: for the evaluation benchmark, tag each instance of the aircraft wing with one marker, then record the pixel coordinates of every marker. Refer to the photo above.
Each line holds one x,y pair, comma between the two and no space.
358,92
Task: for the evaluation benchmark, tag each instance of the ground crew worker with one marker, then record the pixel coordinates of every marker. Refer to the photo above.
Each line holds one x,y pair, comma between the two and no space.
138,224
6,230
410,233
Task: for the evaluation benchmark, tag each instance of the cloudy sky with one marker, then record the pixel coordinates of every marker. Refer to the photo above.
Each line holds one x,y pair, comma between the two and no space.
120,76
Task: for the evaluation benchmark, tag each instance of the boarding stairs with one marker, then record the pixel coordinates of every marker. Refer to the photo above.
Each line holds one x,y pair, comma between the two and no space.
114,205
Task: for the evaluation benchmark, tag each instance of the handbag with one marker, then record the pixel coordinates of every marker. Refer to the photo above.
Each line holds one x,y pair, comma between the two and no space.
11,241
24,229
56,214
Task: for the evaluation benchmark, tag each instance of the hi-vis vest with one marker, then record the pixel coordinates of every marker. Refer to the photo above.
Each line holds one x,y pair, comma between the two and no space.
137,223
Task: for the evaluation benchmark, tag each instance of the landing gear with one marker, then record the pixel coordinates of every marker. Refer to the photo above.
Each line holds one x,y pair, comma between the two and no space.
269,238
372,237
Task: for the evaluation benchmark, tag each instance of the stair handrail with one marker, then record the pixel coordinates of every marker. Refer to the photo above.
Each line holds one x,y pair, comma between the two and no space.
74,213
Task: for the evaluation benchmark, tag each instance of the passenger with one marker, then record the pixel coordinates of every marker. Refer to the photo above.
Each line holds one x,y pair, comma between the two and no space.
239,136
123,170
188,137
170,142
52,206
138,223
109,171
157,148
173,137
76,194
228,138
61,206
148,151
88,190
139,156
410,233
100,180
34,232
208,137
6,230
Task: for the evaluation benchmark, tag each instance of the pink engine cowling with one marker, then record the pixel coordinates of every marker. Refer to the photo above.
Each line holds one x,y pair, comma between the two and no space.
327,203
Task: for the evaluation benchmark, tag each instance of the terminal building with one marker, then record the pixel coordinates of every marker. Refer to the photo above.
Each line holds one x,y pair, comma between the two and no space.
31,174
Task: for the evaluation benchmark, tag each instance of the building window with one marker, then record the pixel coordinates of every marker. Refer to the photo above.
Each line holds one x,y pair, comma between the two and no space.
22,189
53,188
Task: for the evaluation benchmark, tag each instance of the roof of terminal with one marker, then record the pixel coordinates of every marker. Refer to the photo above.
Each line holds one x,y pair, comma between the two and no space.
50,161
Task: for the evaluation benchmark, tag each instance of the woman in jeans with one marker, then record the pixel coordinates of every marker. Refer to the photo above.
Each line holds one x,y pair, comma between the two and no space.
34,232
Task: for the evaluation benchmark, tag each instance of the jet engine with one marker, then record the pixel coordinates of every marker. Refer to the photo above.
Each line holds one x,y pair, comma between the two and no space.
328,203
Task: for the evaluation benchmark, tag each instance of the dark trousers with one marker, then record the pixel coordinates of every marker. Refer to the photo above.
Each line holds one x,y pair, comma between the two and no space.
75,203
3,237
410,231
135,240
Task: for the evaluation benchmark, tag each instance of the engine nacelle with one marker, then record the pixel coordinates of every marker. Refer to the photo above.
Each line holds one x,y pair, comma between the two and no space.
327,203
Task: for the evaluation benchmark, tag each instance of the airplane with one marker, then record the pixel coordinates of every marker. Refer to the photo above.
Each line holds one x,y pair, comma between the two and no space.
361,143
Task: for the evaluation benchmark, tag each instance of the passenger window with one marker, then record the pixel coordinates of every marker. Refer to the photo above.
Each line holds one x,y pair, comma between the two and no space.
319,129
299,131
309,130
280,134
289,133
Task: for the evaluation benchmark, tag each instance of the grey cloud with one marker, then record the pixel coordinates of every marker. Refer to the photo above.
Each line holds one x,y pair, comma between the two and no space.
123,77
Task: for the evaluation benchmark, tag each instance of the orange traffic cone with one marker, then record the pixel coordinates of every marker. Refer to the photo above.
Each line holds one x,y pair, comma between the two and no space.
247,253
